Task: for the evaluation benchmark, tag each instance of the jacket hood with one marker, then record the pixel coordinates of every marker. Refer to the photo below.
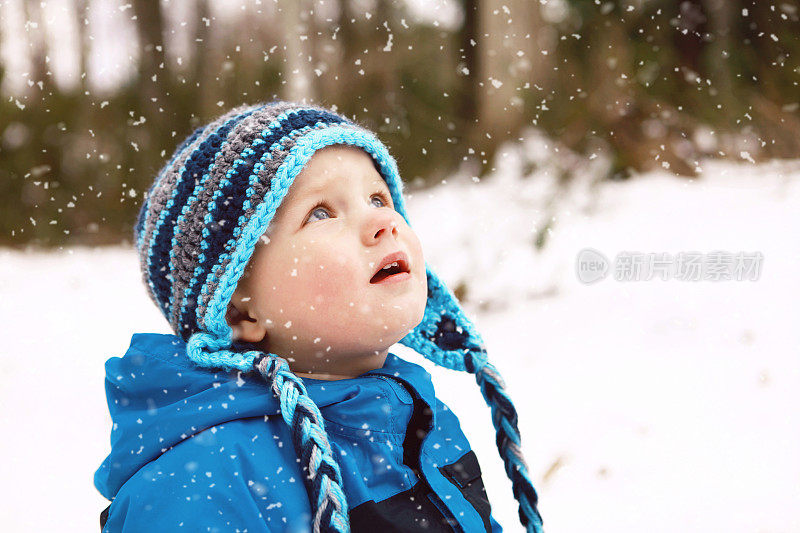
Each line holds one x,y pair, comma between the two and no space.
158,397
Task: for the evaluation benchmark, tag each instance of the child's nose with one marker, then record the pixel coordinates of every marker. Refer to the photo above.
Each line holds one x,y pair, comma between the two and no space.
379,225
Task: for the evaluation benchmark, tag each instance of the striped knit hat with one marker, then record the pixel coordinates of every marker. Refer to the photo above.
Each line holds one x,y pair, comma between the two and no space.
197,230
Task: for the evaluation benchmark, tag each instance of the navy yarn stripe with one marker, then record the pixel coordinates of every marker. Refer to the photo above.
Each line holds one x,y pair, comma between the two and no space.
325,519
143,210
194,169
313,486
305,452
230,204
326,469
137,229
302,410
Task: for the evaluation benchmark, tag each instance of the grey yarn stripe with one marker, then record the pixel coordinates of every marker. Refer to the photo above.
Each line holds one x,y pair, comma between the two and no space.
270,170
512,446
187,247
318,516
517,451
156,203
189,233
163,192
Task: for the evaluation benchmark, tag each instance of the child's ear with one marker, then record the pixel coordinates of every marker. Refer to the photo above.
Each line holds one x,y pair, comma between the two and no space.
240,318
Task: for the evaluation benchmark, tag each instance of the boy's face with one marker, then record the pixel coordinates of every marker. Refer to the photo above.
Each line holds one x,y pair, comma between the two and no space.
308,293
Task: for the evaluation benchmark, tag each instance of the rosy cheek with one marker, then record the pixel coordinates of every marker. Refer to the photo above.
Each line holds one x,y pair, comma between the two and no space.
327,278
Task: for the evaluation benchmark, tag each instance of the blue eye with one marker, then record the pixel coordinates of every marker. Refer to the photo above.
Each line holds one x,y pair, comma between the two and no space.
319,207
322,205
384,200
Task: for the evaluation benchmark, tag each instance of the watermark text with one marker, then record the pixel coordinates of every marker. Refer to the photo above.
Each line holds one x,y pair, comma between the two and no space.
592,266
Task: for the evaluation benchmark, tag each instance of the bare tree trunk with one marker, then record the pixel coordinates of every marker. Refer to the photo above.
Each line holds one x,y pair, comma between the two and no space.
154,74
348,35
719,54
380,65
511,37
468,37
40,74
82,21
203,60
688,39
2,75
297,73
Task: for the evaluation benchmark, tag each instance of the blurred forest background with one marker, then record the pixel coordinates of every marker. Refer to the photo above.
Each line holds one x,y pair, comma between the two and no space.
96,94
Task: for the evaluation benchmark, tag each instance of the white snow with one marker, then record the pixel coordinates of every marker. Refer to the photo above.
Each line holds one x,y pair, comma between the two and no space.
644,406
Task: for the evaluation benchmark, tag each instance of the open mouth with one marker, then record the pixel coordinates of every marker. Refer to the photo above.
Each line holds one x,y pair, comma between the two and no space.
392,267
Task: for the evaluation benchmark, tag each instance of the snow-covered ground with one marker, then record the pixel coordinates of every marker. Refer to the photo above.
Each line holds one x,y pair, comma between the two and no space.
644,406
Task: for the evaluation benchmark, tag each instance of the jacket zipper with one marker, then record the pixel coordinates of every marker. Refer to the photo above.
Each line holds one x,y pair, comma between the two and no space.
429,492
415,412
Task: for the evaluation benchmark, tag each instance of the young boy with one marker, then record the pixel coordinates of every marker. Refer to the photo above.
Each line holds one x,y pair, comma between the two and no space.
276,243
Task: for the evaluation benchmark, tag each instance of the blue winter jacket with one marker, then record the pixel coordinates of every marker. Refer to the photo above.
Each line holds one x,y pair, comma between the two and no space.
195,449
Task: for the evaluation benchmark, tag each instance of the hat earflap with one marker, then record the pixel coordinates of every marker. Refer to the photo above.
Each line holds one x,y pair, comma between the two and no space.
448,338
445,335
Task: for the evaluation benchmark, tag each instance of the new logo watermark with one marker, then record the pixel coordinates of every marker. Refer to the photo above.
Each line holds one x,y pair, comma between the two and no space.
592,266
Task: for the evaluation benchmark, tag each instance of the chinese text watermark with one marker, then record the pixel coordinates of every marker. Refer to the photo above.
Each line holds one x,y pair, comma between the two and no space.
593,266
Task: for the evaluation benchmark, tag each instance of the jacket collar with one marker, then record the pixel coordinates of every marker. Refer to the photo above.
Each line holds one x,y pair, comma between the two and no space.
325,393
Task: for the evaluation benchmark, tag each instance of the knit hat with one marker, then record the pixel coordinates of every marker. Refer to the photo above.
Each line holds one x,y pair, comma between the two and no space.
198,228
